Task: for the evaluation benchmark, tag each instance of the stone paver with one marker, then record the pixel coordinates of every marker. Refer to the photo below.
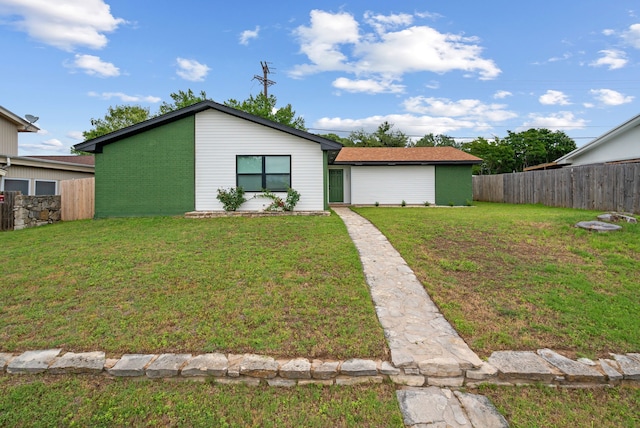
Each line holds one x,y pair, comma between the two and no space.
414,328
522,365
300,368
573,370
32,361
167,365
258,366
481,411
206,365
630,366
131,365
358,367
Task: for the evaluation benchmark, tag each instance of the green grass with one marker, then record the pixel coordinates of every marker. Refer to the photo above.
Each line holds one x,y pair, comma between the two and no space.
33,401
285,286
522,277
563,407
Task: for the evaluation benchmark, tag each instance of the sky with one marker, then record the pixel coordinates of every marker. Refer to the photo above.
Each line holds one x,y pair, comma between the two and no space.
463,68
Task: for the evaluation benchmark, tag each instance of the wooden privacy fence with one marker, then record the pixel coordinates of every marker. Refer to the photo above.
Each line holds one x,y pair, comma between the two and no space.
605,187
78,197
7,202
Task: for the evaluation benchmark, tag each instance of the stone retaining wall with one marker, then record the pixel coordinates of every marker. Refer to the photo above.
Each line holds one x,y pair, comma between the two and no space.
32,211
504,367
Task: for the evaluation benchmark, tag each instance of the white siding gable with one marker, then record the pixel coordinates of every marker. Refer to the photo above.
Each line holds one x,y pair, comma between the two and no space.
621,147
392,184
221,137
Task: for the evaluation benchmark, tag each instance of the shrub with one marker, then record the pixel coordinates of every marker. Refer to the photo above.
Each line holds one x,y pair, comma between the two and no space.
231,198
377,204
427,203
278,204
403,203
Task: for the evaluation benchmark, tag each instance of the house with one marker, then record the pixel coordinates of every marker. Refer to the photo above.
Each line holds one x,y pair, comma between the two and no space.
34,175
621,144
435,175
175,163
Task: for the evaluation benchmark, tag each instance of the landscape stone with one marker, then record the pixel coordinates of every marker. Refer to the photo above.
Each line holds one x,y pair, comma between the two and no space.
634,356
4,360
440,367
358,367
408,380
215,364
85,362
630,366
587,361
167,365
283,383
573,370
348,381
110,362
249,381
258,366
321,382
521,365
598,226
610,368
485,372
32,361
452,382
324,369
387,369
300,368
131,365
480,411
233,369
412,371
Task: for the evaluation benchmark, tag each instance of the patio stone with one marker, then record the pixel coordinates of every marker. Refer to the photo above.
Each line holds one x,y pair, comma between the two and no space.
431,407
480,411
32,361
521,365
440,367
573,370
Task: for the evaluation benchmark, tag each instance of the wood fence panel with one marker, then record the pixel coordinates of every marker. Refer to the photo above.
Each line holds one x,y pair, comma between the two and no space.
605,187
7,217
78,198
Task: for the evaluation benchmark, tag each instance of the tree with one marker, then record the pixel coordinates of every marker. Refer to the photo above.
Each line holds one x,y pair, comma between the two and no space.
384,136
117,117
440,140
497,155
338,139
181,99
266,107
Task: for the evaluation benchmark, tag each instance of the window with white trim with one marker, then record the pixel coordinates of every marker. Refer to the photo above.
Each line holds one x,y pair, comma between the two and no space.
16,185
45,187
260,172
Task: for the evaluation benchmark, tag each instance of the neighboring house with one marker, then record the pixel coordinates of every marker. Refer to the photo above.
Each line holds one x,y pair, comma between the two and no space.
621,144
34,175
175,163
366,175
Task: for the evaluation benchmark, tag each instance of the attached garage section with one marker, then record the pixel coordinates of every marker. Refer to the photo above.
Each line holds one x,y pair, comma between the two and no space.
414,184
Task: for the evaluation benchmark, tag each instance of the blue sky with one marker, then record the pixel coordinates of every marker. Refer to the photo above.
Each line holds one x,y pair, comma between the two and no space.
463,68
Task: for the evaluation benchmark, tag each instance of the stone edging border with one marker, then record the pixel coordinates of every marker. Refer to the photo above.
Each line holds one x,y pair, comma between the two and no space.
503,368
216,214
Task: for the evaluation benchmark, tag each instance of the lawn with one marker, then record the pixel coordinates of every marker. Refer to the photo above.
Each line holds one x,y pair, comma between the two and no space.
44,401
284,286
521,277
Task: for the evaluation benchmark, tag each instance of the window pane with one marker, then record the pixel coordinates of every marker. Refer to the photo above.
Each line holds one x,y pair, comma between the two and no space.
45,187
278,182
249,164
16,186
250,183
277,164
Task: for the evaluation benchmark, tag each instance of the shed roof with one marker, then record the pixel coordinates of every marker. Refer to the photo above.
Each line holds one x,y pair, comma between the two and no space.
74,159
404,156
21,124
95,145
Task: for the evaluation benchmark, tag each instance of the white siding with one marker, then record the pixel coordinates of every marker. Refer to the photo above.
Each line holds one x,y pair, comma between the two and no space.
220,137
8,138
622,147
393,184
32,174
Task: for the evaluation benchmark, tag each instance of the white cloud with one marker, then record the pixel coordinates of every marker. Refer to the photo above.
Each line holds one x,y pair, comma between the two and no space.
369,86
608,32
468,109
65,24
502,94
192,70
553,98
613,58
335,42
247,35
632,36
610,97
410,124
75,135
52,145
94,66
126,98
564,120
588,105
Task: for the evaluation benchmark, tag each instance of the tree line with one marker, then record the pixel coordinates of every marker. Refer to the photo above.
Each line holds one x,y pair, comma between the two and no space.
513,153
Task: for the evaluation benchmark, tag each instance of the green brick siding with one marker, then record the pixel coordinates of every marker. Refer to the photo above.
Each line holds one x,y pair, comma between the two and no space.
453,184
152,173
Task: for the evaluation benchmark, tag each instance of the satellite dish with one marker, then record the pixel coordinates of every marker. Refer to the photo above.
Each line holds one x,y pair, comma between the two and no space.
31,118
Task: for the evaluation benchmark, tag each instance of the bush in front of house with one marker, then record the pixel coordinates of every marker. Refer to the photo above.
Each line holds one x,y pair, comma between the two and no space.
231,198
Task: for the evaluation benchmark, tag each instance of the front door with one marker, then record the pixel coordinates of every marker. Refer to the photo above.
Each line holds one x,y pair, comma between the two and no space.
336,186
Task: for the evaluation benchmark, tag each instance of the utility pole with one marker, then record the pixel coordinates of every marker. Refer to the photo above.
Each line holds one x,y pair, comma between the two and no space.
264,79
